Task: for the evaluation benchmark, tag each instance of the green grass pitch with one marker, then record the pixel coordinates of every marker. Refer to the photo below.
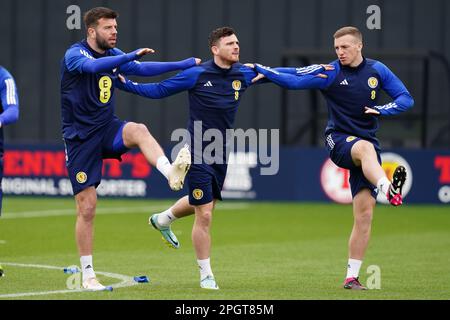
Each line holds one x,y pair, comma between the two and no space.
260,251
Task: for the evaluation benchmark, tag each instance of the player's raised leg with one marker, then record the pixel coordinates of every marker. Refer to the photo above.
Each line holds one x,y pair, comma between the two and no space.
86,202
179,168
394,194
364,155
163,220
201,239
137,135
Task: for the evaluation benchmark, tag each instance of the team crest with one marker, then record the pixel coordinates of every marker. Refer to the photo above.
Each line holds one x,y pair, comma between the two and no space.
236,85
197,194
372,82
350,138
81,177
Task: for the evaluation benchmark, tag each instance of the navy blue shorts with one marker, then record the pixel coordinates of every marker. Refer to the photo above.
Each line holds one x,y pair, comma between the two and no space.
84,158
339,146
203,186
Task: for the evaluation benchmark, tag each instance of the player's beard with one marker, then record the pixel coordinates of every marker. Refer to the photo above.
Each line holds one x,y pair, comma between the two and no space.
234,58
103,44
231,59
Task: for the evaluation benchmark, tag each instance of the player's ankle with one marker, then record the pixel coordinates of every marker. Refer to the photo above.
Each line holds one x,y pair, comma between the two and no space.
166,218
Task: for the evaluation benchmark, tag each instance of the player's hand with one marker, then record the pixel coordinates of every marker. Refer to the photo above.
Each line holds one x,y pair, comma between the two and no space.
327,67
122,78
144,51
258,77
321,75
198,61
371,111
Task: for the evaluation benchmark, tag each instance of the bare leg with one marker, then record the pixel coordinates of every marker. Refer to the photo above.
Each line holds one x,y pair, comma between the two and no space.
86,202
137,135
364,155
182,208
201,238
363,205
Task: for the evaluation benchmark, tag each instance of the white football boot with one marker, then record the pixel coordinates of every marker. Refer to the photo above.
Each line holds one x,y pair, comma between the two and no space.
179,169
92,284
209,283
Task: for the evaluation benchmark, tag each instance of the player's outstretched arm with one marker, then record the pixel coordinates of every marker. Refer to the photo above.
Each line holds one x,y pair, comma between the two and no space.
394,87
80,60
154,68
290,81
313,69
10,101
109,63
185,80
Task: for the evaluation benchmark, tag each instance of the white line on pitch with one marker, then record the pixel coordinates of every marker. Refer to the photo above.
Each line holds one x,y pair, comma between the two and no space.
126,281
70,212
120,210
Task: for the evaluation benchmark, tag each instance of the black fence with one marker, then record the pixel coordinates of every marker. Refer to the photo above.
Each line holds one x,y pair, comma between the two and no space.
34,38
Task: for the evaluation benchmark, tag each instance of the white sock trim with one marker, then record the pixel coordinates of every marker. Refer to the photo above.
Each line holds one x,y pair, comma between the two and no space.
87,267
383,185
353,267
205,268
163,166
165,218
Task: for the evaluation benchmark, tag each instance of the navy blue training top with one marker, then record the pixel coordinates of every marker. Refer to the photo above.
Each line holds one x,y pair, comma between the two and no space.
348,91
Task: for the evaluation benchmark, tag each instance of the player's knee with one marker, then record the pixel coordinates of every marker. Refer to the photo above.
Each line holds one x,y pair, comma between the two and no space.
363,149
86,202
142,128
86,210
135,131
367,148
205,217
141,131
364,218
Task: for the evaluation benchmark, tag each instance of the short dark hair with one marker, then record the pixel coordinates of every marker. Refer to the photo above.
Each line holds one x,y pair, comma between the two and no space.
92,16
349,30
218,33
